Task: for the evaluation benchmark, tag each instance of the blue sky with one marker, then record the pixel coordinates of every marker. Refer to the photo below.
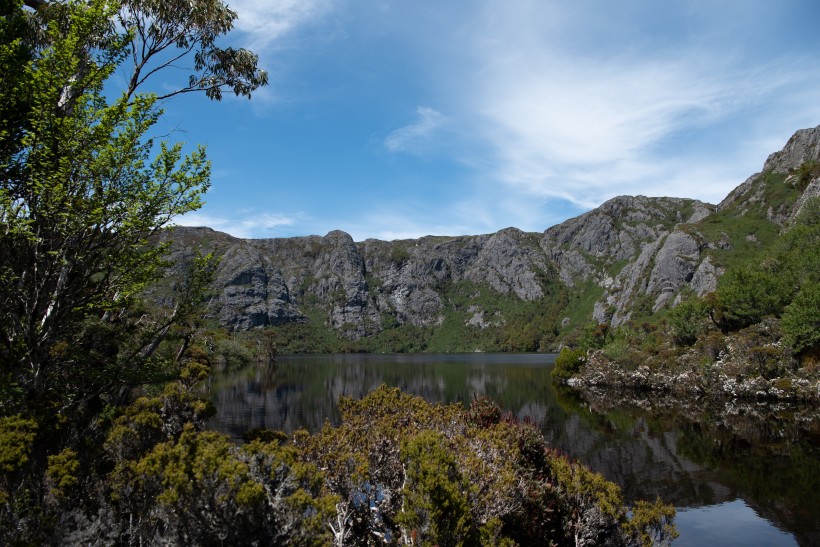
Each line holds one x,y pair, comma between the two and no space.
398,119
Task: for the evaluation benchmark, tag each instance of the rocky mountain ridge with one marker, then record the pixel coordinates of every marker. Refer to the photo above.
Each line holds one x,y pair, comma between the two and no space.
629,258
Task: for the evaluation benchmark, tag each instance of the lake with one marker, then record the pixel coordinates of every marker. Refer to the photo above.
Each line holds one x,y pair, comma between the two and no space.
739,473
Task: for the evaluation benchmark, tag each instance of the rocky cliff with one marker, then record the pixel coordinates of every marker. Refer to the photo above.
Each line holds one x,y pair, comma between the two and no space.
628,259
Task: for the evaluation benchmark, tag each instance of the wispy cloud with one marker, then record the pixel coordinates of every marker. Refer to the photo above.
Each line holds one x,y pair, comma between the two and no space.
559,117
565,124
249,225
266,21
542,109
412,138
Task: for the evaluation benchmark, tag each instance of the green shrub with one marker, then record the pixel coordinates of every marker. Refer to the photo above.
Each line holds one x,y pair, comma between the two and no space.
687,321
765,360
801,320
16,437
746,295
436,504
62,471
568,362
652,523
807,172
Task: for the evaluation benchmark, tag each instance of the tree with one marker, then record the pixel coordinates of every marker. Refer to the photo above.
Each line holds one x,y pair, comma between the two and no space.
85,186
162,32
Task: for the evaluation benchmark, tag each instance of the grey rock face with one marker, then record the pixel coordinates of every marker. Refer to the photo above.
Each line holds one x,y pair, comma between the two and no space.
408,275
675,265
254,293
803,146
269,282
509,265
635,250
629,247
705,278
812,191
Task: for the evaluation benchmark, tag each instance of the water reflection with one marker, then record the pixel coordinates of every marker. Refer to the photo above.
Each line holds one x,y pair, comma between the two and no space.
713,459
301,391
729,524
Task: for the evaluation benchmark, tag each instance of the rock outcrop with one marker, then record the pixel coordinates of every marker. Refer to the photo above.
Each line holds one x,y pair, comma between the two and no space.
632,256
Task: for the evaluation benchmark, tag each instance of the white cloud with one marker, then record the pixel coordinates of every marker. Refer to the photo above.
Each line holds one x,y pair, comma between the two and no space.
411,138
266,21
572,129
559,113
250,225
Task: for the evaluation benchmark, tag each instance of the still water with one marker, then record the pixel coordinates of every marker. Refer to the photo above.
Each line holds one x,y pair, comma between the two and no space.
739,474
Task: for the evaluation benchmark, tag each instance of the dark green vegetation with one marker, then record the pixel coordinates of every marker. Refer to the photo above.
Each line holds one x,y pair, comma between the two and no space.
510,324
102,435
759,331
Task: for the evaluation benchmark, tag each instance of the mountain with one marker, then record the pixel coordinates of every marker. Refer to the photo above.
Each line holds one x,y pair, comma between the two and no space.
629,259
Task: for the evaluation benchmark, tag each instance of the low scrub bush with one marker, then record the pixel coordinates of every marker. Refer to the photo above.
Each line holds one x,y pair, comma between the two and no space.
568,363
687,321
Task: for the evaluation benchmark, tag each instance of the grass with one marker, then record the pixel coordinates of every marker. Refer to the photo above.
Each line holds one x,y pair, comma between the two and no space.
742,233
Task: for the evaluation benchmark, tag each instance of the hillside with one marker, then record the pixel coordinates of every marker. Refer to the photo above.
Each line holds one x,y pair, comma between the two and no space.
630,259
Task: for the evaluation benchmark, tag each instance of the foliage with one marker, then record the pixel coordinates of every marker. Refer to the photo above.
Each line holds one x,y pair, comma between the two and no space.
201,486
801,320
85,189
160,32
568,363
426,474
687,321
807,172
746,295
652,523
435,492
78,202
483,412
16,437
62,471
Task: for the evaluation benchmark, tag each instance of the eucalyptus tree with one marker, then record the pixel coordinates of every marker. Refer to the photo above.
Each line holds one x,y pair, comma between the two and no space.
84,183
85,186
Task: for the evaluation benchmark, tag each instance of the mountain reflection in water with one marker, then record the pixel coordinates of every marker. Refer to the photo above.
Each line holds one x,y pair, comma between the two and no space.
707,459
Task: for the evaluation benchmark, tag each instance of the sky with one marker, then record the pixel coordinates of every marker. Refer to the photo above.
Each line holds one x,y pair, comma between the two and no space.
399,119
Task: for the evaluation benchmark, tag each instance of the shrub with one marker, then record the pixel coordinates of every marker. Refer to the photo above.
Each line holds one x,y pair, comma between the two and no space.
483,412
807,172
766,361
201,486
686,321
746,295
652,523
801,320
568,362
712,345
436,503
